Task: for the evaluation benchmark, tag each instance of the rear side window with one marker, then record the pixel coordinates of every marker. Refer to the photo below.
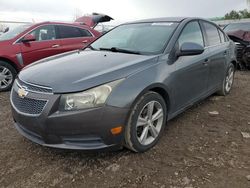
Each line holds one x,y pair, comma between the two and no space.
191,33
72,32
85,33
212,34
46,32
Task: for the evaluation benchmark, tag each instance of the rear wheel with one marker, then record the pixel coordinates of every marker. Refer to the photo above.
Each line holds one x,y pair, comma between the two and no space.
146,122
228,81
7,76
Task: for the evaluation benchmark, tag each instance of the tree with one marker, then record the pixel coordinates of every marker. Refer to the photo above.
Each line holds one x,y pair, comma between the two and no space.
232,15
244,13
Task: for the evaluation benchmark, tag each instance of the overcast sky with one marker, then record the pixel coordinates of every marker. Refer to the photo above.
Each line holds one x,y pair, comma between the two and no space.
120,10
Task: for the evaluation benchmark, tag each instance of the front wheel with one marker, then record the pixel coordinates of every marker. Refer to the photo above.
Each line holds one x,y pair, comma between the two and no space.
146,122
228,81
7,76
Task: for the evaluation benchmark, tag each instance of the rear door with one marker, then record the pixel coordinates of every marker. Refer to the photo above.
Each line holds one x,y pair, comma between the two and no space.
46,44
218,50
73,38
191,74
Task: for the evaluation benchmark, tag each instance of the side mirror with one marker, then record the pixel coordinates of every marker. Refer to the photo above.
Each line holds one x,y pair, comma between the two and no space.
28,38
190,48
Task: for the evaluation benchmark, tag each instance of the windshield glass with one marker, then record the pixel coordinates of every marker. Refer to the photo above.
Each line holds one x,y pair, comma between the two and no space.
237,27
14,32
144,38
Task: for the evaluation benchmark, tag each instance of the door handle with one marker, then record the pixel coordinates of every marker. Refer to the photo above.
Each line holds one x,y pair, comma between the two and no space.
85,41
55,46
205,62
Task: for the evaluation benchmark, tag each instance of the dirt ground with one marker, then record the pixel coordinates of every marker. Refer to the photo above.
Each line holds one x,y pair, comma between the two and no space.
196,150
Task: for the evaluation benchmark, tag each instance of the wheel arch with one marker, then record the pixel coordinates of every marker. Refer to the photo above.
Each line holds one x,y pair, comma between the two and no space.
234,62
10,63
158,88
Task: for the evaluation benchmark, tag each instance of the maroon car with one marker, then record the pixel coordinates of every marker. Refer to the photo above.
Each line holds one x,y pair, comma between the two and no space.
28,43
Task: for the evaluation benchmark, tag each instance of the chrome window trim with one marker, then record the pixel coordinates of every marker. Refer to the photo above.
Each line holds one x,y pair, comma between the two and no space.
16,41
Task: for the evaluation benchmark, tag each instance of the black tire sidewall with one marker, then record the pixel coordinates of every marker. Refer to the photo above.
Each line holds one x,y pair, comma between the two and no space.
146,98
12,70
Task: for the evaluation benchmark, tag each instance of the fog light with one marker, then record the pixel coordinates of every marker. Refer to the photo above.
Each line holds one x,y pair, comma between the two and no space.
116,130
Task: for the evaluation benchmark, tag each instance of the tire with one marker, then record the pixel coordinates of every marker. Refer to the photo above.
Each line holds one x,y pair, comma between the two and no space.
154,128
7,76
228,81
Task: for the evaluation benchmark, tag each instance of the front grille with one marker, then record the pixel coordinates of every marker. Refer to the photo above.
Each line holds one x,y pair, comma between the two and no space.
33,87
28,105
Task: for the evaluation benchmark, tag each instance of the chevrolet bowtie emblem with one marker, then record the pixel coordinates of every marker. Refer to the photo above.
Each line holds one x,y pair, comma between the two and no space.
22,92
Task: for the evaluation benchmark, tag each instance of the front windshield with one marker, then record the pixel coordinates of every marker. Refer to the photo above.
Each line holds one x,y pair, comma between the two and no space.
144,38
237,27
14,32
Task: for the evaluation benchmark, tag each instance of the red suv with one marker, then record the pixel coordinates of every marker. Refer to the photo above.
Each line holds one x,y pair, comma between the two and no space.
28,43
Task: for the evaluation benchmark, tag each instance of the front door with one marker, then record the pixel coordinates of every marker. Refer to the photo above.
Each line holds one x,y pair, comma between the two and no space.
45,45
191,76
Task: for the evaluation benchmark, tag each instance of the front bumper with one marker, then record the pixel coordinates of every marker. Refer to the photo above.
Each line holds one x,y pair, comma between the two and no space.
88,129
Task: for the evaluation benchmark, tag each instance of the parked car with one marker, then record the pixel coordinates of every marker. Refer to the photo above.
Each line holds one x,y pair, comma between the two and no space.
121,90
240,34
31,42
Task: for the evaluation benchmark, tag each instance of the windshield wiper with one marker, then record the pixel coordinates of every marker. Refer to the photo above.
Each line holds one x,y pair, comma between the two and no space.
115,49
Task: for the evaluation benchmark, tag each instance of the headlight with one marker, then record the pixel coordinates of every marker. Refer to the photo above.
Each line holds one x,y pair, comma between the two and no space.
87,99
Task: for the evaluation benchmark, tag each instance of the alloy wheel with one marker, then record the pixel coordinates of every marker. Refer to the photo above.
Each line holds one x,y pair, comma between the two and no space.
149,122
6,77
229,79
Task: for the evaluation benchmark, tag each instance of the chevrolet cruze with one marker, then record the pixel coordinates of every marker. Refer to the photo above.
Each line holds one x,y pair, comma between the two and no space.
125,86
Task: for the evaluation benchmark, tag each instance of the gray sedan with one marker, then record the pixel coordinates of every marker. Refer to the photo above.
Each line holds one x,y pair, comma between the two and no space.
123,88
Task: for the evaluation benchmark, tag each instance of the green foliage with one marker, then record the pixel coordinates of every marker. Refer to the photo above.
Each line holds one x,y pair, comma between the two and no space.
235,15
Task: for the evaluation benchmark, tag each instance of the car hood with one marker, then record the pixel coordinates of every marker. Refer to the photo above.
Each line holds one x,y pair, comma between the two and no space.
78,71
240,36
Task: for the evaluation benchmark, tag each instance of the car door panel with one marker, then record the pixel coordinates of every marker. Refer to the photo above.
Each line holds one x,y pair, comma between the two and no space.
217,65
191,75
36,50
45,45
191,79
218,49
75,43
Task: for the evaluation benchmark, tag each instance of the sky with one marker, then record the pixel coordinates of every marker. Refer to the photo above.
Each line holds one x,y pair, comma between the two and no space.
120,10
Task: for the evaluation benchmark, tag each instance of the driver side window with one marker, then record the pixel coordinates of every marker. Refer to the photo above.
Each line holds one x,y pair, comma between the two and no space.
44,33
191,33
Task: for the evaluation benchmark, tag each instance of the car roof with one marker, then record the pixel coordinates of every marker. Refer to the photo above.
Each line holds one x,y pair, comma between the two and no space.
163,19
63,23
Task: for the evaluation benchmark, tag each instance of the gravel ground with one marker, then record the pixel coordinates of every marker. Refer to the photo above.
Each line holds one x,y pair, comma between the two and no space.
197,150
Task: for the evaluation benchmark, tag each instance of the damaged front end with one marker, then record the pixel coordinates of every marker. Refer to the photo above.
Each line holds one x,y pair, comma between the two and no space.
242,41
